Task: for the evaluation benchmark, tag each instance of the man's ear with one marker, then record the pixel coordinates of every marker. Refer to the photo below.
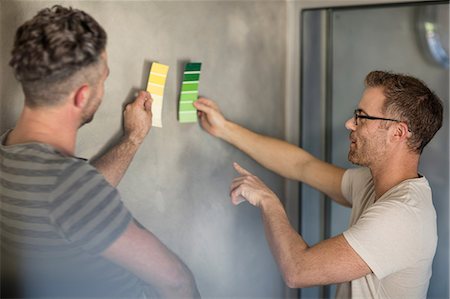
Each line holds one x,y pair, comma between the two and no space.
402,131
81,96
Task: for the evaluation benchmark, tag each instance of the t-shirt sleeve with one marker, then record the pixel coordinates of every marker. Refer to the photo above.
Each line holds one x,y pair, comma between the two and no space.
346,185
354,178
86,209
387,236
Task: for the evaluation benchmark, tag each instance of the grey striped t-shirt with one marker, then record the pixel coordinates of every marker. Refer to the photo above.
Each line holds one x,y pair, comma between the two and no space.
57,216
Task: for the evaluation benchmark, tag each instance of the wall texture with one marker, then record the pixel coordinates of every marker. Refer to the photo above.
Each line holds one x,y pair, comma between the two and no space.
178,184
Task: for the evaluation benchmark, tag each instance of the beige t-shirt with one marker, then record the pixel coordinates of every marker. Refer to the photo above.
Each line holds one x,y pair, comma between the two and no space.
396,236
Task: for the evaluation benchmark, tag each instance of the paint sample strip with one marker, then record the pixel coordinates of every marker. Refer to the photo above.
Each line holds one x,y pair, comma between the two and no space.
155,86
189,93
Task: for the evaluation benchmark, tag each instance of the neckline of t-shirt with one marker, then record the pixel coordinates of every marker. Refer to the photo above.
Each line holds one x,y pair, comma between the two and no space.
420,179
32,145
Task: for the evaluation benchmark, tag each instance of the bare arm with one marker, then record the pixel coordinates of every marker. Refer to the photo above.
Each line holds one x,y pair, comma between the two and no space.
137,123
279,156
139,251
330,261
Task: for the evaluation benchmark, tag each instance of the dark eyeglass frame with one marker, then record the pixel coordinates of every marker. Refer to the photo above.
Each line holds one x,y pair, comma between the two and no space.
356,115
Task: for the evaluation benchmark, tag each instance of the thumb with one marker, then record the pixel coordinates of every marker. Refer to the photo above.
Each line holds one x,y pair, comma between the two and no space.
240,169
238,200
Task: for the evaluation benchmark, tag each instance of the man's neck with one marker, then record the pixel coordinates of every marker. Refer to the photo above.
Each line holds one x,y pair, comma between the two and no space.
389,174
50,126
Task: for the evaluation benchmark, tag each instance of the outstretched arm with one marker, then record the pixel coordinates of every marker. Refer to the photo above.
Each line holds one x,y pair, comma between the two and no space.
330,261
137,123
277,155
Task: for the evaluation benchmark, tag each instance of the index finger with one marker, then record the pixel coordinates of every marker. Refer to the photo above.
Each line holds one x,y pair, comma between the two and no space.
240,169
201,106
207,102
142,97
148,104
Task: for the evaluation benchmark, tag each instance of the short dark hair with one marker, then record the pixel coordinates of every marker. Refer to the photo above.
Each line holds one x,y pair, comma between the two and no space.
410,100
51,48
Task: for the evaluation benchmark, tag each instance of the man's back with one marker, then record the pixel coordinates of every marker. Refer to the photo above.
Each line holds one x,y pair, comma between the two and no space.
57,215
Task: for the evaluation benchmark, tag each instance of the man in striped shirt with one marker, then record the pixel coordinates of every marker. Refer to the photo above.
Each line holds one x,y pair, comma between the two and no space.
64,229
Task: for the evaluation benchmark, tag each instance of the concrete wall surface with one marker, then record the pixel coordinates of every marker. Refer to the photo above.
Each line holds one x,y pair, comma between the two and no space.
178,184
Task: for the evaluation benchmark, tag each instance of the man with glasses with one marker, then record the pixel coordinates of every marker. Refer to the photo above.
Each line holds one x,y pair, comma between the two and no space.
388,249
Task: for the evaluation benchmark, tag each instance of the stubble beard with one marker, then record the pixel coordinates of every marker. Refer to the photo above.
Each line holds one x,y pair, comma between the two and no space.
357,153
90,111
365,152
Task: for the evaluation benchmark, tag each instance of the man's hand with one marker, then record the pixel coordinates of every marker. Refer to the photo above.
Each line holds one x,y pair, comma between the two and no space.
137,124
249,187
138,118
210,117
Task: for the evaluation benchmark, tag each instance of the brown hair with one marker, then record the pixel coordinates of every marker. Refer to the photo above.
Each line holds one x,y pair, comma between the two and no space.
411,101
55,50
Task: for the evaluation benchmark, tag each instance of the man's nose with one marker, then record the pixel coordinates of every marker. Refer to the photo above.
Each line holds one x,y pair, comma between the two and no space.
350,124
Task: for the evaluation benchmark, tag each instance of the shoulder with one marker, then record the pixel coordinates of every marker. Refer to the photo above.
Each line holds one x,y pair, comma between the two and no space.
409,209
37,167
355,182
396,232
75,168
358,174
87,211
37,157
411,195
80,182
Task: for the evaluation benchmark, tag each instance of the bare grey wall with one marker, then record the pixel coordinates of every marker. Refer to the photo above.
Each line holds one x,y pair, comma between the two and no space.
178,184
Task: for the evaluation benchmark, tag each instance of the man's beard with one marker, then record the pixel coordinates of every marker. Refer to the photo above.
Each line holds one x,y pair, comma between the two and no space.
364,151
88,114
356,152
354,158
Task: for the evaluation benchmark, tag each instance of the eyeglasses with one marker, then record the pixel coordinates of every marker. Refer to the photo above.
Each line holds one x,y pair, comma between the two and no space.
356,115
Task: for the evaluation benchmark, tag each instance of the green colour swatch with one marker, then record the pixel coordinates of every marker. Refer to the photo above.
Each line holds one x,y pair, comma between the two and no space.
192,97
186,106
188,117
193,66
189,93
189,87
191,77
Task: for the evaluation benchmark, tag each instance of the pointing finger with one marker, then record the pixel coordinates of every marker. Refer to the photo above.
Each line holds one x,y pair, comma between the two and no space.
240,169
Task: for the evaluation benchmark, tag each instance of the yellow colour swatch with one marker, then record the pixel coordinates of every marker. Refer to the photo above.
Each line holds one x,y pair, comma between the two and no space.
155,86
